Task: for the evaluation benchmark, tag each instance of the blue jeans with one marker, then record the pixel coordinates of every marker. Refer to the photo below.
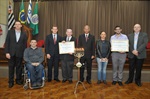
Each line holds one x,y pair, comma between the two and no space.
35,73
101,69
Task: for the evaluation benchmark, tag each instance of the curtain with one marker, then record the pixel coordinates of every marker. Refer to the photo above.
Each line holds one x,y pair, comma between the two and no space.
99,15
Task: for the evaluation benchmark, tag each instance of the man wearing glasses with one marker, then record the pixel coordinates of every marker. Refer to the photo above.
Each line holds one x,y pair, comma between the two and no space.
118,58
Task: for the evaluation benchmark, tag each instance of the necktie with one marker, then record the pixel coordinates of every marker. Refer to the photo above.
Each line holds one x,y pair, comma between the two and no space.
67,39
54,38
86,37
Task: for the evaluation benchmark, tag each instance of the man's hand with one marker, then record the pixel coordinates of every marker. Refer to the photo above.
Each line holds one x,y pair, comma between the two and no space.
63,41
92,57
122,52
135,52
7,55
70,53
48,56
33,64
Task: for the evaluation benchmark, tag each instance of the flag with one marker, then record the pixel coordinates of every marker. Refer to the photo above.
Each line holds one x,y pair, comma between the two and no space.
34,20
11,18
22,13
29,12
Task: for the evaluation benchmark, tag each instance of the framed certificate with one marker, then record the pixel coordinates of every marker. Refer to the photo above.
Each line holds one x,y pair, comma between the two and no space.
120,45
67,47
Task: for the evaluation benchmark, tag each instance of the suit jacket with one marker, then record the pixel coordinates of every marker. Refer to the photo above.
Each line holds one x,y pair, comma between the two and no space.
68,57
50,47
141,45
13,47
89,46
99,49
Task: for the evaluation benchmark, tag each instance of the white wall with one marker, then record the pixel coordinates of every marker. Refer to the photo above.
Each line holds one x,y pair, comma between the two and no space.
4,19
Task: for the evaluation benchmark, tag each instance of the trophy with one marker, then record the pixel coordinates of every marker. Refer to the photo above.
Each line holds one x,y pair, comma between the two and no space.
79,52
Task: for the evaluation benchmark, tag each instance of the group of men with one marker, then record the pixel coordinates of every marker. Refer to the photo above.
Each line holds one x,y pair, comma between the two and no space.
15,48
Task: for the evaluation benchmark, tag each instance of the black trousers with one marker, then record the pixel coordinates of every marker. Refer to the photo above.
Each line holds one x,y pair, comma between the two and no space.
53,61
67,69
15,62
86,62
135,64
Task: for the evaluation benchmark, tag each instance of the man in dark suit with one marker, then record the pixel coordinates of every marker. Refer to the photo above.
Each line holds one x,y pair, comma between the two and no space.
87,41
52,52
137,54
67,60
15,45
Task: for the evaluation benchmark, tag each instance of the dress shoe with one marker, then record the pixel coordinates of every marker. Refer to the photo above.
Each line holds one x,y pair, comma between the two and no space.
128,82
34,85
49,80
120,83
63,81
138,84
39,84
11,85
105,82
57,80
114,82
70,81
89,82
19,82
98,82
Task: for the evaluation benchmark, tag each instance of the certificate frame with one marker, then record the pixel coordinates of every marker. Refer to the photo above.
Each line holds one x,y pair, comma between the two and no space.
120,45
66,47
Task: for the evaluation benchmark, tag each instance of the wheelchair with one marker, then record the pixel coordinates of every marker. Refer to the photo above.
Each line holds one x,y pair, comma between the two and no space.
27,80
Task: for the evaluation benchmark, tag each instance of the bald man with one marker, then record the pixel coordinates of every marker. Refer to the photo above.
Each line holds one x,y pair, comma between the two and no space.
87,41
67,60
137,53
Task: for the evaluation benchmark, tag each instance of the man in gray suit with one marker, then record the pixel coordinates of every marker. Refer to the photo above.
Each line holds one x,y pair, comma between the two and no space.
137,53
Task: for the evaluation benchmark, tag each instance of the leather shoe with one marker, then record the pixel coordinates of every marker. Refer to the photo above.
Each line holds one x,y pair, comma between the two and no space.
49,80
11,85
57,80
128,82
114,82
19,82
63,81
70,81
138,84
120,83
38,84
89,82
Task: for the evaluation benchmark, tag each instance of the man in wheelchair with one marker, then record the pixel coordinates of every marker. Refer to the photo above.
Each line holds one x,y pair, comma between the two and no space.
33,57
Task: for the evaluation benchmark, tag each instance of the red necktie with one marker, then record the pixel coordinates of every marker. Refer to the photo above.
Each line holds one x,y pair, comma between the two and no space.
54,39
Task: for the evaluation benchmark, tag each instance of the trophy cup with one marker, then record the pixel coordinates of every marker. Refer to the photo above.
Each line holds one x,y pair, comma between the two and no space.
79,52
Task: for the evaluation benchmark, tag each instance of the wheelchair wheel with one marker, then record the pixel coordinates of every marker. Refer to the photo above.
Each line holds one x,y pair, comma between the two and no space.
25,87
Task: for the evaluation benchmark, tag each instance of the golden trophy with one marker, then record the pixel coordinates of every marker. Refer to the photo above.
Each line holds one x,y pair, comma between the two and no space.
79,52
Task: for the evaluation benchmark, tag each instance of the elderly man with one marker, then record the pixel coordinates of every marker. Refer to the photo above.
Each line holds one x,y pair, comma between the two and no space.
67,60
87,41
137,53
33,57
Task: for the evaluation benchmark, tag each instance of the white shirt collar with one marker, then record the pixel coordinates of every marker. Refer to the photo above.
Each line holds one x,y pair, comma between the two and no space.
87,34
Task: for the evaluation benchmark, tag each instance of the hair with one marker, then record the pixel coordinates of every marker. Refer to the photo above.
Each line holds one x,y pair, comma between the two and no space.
54,26
33,39
87,26
117,27
18,21
101,32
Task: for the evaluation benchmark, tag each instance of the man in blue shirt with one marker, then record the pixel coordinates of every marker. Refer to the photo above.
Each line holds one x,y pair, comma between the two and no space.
137,53
118,58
